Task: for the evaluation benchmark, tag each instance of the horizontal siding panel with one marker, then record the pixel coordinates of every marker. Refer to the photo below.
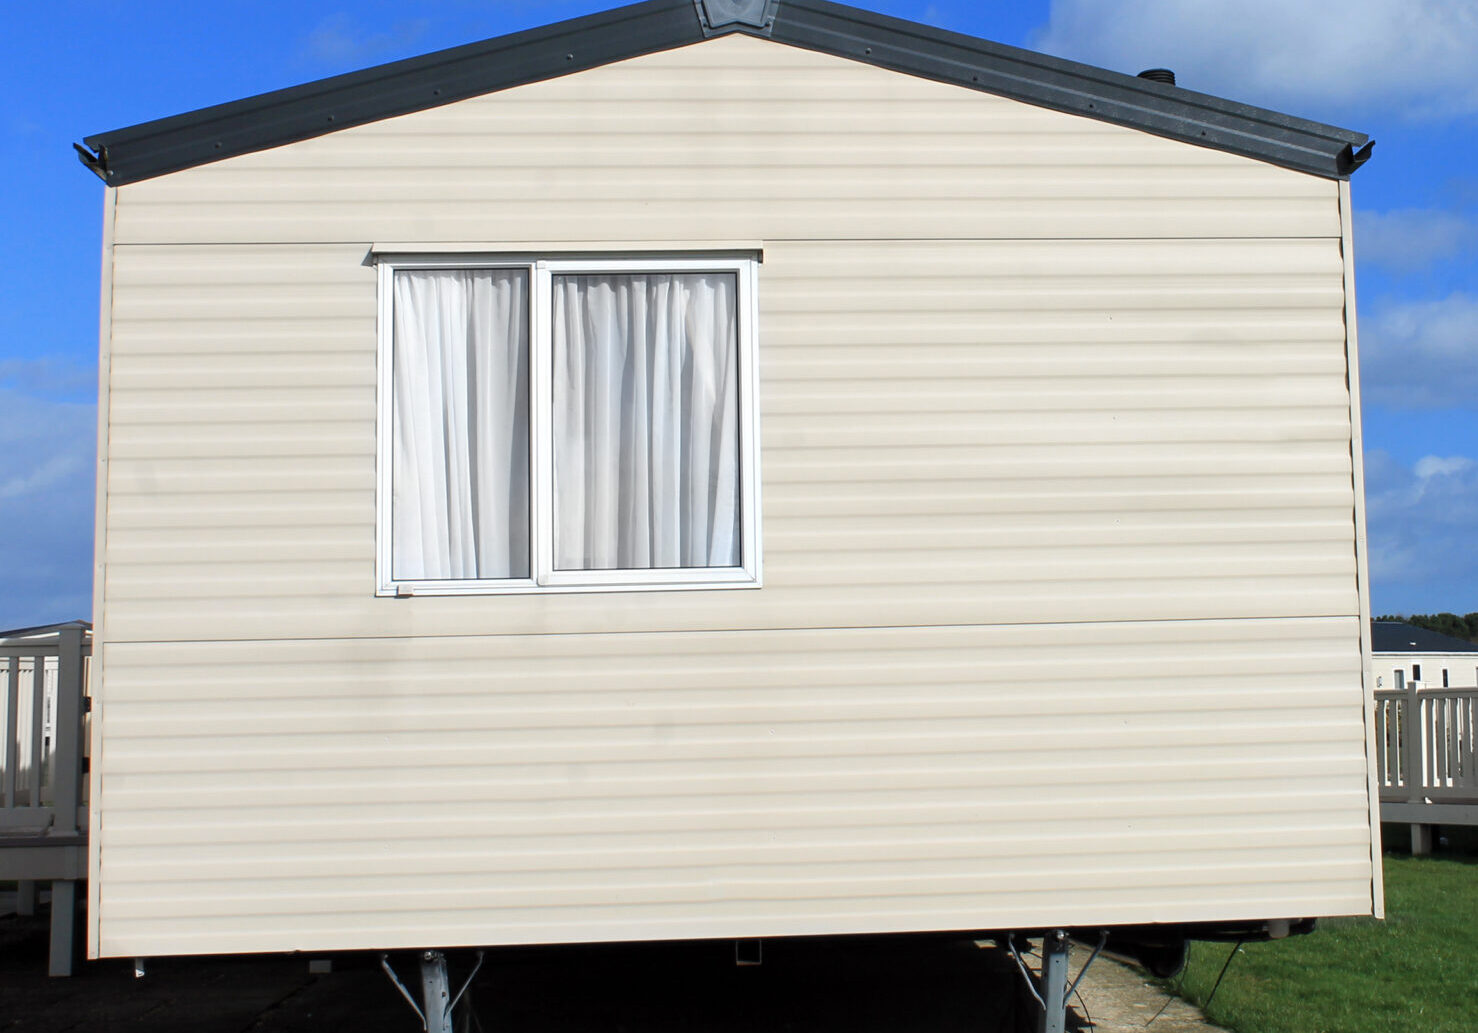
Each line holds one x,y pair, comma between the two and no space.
1160,431
288,730
927,430
1046,461
1325,772
912,815
983,570
1087,341
321,613
1065,904
720,219
311,899
618,924
1144,654
1020,465
437,141
300,862
849,537
254,341
283,440
638,182
713,142
197,403
1263,512
804,780
841,733
1051,497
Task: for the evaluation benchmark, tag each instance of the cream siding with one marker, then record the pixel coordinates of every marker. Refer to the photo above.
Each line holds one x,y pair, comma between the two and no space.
950,434
350,793
1031,386
707,142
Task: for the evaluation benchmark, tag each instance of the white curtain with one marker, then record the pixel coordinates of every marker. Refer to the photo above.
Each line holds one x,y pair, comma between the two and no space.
646,442
460,471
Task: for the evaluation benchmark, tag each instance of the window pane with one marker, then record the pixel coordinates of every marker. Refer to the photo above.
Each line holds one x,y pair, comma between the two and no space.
646,421
460,466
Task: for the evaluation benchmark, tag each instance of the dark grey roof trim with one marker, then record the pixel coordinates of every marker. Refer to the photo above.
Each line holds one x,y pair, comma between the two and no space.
315,109
1078,89
45,629
415,84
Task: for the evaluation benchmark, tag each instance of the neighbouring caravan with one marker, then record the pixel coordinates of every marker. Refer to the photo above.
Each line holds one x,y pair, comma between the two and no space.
622,480
1404,654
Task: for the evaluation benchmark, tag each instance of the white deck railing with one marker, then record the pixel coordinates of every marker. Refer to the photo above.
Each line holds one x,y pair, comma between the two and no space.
43,808
1425,741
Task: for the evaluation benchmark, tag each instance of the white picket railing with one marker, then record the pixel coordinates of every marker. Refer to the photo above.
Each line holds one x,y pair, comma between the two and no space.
43,806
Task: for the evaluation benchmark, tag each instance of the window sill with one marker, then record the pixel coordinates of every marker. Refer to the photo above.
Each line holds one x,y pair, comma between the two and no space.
710,582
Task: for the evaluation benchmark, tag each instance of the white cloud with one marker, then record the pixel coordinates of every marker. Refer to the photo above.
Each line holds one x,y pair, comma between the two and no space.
1428,467
1421,520
45,471
43,444
1421,354
1411,239
50,376
1412,57
340,41
47,466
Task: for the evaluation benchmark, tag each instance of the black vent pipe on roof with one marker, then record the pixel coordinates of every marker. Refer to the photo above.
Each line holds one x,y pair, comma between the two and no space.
1163,75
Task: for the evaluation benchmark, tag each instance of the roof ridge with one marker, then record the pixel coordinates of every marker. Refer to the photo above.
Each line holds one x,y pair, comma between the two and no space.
325,106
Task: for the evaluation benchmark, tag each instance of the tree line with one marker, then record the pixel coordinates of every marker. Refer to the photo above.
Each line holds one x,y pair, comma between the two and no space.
1464,627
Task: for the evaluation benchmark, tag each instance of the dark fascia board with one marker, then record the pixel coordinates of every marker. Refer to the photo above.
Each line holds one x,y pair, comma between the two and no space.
44,629
1069,86
315,109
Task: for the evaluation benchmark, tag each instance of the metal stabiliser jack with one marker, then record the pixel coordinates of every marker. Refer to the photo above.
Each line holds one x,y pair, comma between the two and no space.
1056,990
435,1010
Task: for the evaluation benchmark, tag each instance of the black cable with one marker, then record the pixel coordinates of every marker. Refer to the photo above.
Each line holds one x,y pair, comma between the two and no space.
1087,1015
1180,984
1170,995
1217,985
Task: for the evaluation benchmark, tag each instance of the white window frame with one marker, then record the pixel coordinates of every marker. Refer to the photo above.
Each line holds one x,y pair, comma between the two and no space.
544,578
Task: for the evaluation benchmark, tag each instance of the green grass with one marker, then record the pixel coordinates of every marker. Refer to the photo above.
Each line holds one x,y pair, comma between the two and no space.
1417,970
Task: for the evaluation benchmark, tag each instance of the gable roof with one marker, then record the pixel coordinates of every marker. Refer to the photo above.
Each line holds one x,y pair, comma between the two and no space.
314,109
1400,637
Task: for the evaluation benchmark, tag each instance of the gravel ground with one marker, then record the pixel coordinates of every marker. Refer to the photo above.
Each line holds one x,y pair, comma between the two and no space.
918,985
1119,997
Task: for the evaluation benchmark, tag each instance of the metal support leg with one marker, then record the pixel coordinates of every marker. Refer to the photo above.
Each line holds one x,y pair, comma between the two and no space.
435,1010
25,897
1054,983
435,993
63,925
1421,840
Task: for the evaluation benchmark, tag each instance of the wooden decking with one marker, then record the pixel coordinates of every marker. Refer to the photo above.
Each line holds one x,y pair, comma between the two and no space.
43,816
1425,758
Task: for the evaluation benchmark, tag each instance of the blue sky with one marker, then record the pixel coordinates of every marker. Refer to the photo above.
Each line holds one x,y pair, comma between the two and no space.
1404,71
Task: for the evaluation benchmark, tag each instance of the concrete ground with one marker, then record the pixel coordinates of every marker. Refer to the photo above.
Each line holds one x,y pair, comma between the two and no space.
828,986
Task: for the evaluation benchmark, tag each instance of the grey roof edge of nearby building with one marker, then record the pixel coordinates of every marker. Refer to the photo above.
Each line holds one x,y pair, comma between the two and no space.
317,108
1400,637
44,629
